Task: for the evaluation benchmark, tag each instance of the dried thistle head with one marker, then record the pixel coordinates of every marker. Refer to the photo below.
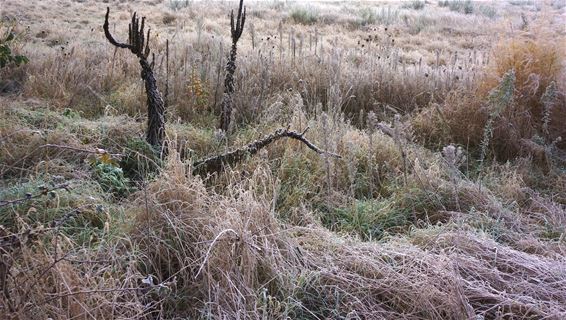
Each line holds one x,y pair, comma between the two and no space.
402,130
371,121
219,135
454,155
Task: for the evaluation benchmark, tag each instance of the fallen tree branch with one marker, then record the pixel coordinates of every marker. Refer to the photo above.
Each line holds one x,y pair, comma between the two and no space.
216,163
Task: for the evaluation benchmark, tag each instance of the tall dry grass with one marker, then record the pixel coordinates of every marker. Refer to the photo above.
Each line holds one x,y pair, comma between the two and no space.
380,65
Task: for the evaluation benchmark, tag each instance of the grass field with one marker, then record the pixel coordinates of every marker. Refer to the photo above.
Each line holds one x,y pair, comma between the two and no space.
438,189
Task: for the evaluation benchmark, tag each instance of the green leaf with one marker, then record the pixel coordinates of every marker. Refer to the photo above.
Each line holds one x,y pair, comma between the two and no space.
21,60
5,51
11,36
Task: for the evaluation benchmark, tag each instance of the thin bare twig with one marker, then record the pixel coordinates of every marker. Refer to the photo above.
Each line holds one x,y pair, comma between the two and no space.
72,293
43,191
95,151
211,246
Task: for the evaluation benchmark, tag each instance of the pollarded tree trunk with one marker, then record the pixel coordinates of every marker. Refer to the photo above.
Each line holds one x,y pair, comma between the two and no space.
138,44
155,107
227,100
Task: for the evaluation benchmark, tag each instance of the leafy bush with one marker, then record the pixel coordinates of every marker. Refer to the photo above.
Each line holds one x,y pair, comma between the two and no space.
55,203
304,15
462,6
140,159
7,55
367,16
415,5
111,178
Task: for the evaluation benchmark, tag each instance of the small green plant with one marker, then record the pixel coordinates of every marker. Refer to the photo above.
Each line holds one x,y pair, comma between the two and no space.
304,15
367,16
7,56
140,160
499,98
71,114
462,6
111,178
548,100
76,208
368,219
415,5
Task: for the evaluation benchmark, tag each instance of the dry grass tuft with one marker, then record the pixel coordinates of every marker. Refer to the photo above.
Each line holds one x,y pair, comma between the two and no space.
221,250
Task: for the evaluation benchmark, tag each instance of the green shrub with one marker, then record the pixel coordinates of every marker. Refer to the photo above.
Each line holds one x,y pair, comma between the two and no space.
80,209
415,5
462,6
7,55
305,16
111,179
367,16
140,160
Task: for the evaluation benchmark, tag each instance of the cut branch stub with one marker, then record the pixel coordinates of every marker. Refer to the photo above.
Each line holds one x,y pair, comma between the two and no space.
217,163
237,30
138,44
